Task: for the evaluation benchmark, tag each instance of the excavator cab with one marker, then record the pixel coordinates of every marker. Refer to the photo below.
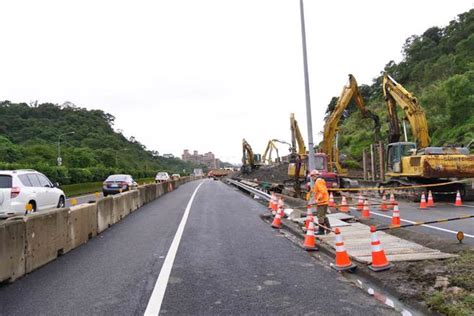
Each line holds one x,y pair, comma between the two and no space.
395,152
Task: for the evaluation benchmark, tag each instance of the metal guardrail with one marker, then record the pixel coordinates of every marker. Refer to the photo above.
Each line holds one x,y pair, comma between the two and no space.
262,194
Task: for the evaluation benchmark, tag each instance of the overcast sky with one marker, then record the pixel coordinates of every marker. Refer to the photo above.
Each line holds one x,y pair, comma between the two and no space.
203,74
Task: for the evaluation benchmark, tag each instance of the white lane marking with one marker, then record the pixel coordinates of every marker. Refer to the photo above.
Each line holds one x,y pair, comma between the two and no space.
154,304
412,222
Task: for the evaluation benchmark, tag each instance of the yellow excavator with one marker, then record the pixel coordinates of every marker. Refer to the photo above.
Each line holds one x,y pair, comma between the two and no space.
298,164
250,161
410,163
271,146
332,124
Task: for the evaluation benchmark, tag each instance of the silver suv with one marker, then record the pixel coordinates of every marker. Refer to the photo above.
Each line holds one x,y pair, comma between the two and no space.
21,187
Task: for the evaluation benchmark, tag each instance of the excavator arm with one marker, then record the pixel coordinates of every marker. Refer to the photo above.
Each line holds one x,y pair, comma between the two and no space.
332,123
394,94
247,155
268,151
296,138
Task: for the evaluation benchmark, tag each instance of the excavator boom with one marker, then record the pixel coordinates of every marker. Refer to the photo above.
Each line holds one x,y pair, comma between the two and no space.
394,94
331,126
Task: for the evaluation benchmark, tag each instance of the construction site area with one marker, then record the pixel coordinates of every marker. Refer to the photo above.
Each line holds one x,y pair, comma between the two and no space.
413,199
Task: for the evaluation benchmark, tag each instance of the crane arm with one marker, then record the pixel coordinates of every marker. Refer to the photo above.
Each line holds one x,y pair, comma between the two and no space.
268,151
332,122
395,93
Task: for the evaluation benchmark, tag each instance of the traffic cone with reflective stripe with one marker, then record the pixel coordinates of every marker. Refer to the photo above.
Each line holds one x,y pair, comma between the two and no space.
458,199
343,262
309,218
423,201
275,204
331,200
383,206
344,207
281,205
366,210
430,199
379,260
360,203
392,201
309,243
277,221
396,216
272,200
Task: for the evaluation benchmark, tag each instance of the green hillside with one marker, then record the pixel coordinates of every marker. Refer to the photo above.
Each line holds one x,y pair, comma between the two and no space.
29,136
438,68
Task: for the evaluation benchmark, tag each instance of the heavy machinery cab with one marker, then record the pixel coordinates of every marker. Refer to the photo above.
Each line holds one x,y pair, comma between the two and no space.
395,152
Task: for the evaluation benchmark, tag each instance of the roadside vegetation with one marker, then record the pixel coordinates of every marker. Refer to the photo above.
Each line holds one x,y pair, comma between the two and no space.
438,68
29,136
92,187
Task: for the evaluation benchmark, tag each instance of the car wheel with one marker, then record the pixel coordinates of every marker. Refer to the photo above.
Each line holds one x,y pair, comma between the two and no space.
61,203
105,194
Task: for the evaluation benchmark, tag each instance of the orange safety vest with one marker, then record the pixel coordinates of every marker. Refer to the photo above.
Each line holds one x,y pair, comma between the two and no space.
321,192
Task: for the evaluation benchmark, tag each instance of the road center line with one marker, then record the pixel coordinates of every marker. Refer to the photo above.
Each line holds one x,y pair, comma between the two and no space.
412,222
154,304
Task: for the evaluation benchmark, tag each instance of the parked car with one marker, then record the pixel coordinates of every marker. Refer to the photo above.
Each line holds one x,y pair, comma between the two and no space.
175,176
162,177
21,187
117,183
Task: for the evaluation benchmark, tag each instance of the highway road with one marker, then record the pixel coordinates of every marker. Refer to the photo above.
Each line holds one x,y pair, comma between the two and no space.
201,249
411,213
83,199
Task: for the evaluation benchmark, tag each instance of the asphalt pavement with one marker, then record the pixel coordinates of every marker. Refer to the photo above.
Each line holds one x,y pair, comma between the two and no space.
228,262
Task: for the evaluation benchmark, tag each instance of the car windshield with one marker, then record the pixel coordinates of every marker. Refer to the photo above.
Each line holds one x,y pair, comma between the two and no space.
5,182
162,174
118,177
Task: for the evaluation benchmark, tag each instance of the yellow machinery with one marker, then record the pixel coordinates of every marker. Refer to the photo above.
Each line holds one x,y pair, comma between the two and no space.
296,167
331,126
410,162
250,161
269,149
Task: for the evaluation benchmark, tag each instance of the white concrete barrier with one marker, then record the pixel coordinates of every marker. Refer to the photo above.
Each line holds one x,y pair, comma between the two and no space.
82,224
12,249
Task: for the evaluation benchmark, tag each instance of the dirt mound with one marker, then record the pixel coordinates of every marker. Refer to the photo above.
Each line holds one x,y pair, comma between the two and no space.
276,173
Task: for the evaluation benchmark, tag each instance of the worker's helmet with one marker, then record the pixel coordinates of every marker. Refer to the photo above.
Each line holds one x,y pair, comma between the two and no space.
314,173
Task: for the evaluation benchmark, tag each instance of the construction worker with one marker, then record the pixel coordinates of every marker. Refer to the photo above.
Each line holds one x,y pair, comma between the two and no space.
321,196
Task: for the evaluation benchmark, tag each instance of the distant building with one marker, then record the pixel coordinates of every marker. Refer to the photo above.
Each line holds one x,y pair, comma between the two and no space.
207,159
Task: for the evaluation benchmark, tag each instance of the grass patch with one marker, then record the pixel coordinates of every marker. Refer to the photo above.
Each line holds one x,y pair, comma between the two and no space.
91,187
458,297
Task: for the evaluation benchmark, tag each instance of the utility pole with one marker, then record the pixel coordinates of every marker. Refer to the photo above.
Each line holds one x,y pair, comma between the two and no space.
311,160
59,159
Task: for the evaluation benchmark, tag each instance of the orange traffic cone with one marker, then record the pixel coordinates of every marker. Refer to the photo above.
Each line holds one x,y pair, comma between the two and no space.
366,210
277,221
458,199
271,201
309,243
343,262
309,218
275,204
430,199
331,200
392,201
360,203
383,206
379,260
396,216
423,201
281,205
344,207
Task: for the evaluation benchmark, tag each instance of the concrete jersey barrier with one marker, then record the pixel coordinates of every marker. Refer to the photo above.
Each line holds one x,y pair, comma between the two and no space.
46,237
12,249
82,224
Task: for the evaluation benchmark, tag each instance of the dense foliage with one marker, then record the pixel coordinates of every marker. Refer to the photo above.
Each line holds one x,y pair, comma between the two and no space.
29,139
438,68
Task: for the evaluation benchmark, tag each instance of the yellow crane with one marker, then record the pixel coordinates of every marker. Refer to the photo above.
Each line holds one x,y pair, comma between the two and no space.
297,167
250,161
331,127
416,162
